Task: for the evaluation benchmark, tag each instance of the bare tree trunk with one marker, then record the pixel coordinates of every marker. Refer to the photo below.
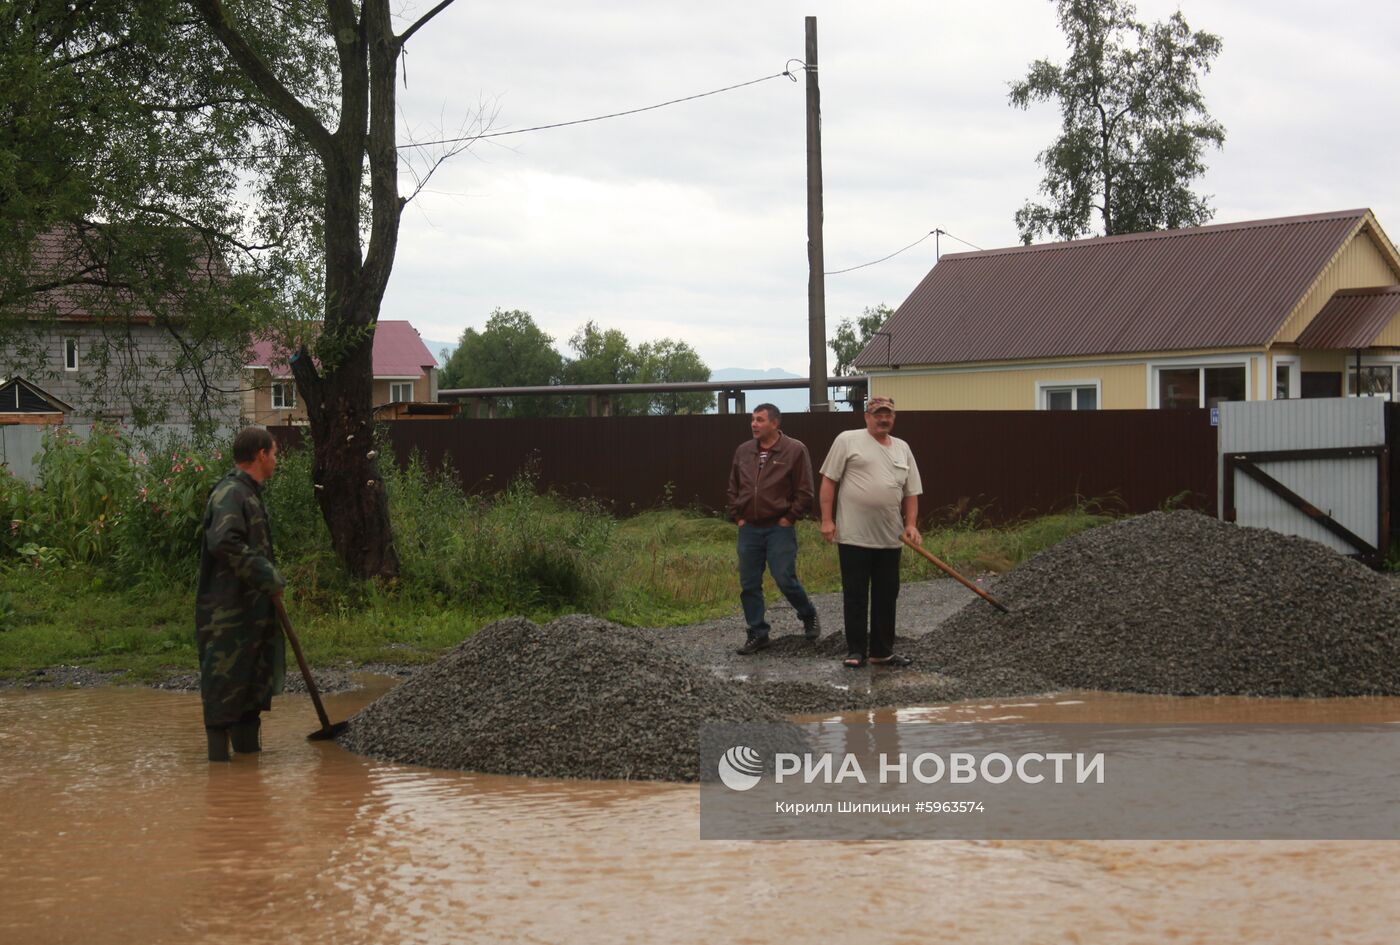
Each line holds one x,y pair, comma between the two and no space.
338,392
344,468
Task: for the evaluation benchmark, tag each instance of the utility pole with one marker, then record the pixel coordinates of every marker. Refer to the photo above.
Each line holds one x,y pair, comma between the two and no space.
816,256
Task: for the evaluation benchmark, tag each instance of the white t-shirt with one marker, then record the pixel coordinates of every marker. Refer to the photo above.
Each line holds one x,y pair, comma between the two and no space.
873,481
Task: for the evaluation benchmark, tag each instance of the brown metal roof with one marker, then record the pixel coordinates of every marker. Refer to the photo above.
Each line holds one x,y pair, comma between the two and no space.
71,262
1229,285
1352,318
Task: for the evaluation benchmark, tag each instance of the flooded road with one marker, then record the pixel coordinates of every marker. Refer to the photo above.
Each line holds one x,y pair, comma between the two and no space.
115,830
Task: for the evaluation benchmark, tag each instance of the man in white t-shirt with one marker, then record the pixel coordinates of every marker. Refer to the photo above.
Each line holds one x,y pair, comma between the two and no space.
879,487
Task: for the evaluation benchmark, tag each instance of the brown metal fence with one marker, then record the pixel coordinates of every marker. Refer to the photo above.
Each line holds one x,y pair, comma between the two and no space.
1005,464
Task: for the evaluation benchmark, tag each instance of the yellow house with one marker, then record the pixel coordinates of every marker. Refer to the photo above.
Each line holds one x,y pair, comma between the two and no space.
1305,306
405,371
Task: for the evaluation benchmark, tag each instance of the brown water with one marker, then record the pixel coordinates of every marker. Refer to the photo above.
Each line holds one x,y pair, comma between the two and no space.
113,829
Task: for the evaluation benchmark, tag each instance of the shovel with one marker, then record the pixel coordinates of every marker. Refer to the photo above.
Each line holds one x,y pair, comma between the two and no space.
327,731
953,574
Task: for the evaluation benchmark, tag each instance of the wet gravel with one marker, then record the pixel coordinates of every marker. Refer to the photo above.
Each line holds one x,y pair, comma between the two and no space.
1179,603
576,698
1174,603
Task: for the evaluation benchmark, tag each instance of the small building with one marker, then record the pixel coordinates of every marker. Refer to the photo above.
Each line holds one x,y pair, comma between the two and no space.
27,404
1304,306
405,371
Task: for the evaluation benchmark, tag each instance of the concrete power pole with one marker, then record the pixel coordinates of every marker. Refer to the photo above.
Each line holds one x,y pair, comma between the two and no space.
816,257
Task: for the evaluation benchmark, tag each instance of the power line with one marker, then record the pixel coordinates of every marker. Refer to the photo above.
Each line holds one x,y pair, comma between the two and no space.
582,121
892,255
963,241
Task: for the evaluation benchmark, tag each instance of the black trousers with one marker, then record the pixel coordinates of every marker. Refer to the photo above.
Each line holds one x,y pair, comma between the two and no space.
869,587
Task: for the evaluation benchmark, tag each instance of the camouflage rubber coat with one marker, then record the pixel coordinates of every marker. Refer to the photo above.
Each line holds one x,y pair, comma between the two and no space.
242,653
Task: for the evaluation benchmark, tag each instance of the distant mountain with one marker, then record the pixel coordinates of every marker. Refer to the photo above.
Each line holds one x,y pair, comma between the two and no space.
788,401
750,374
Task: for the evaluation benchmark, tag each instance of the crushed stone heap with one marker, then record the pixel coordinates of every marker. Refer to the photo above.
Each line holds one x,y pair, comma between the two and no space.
1180,603
577,698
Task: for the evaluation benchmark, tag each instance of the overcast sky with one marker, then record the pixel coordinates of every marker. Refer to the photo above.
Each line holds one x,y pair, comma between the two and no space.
690,221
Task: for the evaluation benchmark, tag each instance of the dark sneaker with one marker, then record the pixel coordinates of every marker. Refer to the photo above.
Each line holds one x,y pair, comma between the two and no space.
753,645
812,627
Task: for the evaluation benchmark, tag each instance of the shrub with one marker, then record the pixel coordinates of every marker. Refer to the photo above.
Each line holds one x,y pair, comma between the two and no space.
82,484
160,529
517,552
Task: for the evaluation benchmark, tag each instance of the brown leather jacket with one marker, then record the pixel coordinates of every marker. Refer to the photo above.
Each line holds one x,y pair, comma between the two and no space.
782,489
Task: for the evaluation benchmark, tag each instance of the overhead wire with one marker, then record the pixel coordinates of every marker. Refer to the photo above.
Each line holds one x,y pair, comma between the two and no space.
583,121
875,262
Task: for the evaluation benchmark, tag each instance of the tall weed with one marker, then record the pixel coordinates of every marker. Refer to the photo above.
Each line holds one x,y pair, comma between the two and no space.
159,533
83,484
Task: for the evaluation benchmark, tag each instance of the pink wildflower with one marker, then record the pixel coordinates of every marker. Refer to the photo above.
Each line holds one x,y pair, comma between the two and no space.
199,469
177,468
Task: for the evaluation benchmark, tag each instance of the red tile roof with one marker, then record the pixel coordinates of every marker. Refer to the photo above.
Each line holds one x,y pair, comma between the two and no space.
398,352
1352,318
1229,285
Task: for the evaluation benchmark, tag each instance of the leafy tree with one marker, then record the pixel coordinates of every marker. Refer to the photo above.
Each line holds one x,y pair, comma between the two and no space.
668,360
266,129
102,119
851,337
1134,127
511,351
602,357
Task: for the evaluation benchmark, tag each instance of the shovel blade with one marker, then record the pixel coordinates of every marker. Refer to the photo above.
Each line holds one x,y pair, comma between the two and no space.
329,733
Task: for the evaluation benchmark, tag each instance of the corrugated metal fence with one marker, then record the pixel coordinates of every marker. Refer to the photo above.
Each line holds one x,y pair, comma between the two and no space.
1007,464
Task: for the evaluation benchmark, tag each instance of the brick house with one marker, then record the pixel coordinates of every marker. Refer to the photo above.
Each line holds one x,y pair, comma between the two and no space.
405,371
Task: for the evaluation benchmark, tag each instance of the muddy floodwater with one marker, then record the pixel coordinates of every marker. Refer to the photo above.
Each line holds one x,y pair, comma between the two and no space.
113,829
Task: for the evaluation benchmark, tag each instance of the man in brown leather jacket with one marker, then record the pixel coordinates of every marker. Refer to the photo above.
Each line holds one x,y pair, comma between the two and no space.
770,488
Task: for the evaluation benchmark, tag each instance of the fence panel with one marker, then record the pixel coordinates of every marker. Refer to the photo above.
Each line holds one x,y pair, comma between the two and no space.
1007,464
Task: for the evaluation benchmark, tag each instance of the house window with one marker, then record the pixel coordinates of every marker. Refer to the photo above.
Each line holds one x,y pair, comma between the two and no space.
70,354
1377,380
1286,378
400,393
1201,386
1069,397
284,396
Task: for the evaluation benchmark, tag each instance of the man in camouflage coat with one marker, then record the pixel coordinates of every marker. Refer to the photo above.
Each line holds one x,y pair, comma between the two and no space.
242,654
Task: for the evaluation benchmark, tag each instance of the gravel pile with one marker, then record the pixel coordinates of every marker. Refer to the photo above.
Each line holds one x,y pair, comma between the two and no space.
578,698
1179,603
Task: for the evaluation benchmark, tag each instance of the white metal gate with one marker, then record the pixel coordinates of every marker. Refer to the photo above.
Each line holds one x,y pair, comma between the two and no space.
1313,468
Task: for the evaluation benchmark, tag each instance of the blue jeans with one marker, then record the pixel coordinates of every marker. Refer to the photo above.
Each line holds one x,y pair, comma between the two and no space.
775,546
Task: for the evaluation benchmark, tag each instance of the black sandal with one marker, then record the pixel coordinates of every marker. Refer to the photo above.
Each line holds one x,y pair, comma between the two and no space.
894,661
853,661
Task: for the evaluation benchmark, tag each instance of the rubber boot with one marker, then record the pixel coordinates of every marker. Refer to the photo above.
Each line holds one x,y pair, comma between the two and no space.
245,734
218,744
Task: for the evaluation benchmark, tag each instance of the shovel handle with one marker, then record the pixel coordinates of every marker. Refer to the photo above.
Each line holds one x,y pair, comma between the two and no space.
301,661
953,574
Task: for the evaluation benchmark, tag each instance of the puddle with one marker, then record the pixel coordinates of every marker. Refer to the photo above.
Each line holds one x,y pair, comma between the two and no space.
115,830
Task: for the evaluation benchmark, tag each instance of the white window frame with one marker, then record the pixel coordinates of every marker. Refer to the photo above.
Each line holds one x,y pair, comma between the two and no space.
395,387
1295,376
1389,361
1155,367
1043,389
70,354
287,392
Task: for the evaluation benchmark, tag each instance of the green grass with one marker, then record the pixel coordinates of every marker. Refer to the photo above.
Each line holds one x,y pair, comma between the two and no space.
466,563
